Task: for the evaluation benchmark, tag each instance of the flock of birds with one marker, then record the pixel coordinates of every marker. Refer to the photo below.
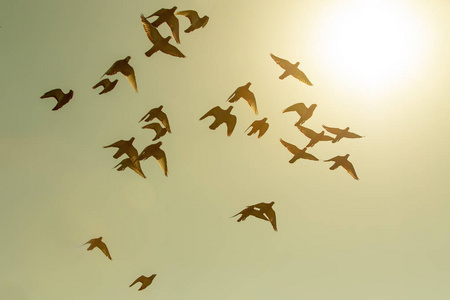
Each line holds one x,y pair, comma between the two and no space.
221,116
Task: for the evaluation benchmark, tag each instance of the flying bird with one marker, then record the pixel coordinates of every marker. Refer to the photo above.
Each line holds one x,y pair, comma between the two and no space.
297,152
124,67
160,131
155,151
167,16
291,69
341,133
59,95
304,112
159,114
343,162
159,43
132,163
194,18
99,244
107,85
146,281
250,211
244,92
314,136
222,116
124,147
258,125
264,211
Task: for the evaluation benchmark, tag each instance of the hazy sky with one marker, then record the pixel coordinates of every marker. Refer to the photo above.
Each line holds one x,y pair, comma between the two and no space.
382,69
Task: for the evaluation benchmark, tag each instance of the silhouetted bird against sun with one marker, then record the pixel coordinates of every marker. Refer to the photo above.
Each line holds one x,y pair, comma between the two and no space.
258,125
159,114
341,133
250,211
291,69
297,152
167,16
124,67
99,244
106,84
304,112
264,211
132,163
146,281
160,131
124,147
345,163
155,151
221,116
244,92
314,136
194,18
60,97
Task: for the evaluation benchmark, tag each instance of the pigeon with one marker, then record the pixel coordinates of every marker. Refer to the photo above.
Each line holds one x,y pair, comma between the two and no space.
260,125
59,95
107,85
341,133
244,92
304,112
159,114
250,211
159,43
155,151
314,136
160,131
167,16
99,244
196,21
146,281
222,116
297,152
131,163
264,212
124,67
291,69
343,162
124,147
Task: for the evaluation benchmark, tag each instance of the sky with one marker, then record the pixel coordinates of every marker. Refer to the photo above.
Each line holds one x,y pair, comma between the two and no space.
379,68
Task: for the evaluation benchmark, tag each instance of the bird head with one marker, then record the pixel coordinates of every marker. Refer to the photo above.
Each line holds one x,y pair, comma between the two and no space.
296,64
346,156
313,106
229,108
248,84
265,119
127,59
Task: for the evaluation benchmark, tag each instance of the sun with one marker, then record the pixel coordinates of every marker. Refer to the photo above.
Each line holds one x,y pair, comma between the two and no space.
373,44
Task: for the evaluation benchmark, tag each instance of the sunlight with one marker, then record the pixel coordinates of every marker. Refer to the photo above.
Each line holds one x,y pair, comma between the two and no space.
373,44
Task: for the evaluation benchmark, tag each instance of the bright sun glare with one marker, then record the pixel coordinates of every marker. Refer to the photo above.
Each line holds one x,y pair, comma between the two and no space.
374,44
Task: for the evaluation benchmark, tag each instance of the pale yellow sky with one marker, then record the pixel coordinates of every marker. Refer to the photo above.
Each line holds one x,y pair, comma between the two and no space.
382,237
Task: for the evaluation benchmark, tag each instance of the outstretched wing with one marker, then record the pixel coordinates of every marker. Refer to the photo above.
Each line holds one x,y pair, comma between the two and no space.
56,93
332,130
352,135
155,126
172,50
163,118
175,27
191,14
306,131
281,62
230,120
152,33
301,76
263,129
270,213
251,100
140,279
350,169
300,108
215,112
160,156
309,156
292,148
102,246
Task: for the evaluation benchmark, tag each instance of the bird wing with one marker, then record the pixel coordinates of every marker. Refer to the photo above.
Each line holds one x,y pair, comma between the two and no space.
172,50
105,82
102,246
270,213
352,135
152,33
132,152
350,169
133,165
140,279
129,73
159,12
281,62
309,156
230,120
191,14
332,159
263,129
155,126
160,156
332,130
326,138
57,93
175,27
163,118
117,144
250,98
301,76
292,148
300,108
215,112
306,131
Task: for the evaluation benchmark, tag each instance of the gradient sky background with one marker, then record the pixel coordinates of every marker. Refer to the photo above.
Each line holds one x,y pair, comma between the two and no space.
382,69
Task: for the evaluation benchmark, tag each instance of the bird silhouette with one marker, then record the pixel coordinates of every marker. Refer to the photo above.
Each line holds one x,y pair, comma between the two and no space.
99,244
250,211
304,112
291,69
106,84
124,67
221,116
341,133
160,131
244,92
124,147
155,151
132,163
159,43
297,152
345,163
194,18
264,211
159,114
258,125
167,16
314,136
60,97
146,281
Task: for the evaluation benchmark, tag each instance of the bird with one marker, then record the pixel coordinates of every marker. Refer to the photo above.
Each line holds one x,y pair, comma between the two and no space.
291,69
59,95
258,125
99,244
194,18
155,151
250,211
345,163
167,16
159,114
341,133
314,136
131,163
222,116
124,67
304,112
244,92
160,131
159,43
297,152
146,281
264,211
124,147
107,85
